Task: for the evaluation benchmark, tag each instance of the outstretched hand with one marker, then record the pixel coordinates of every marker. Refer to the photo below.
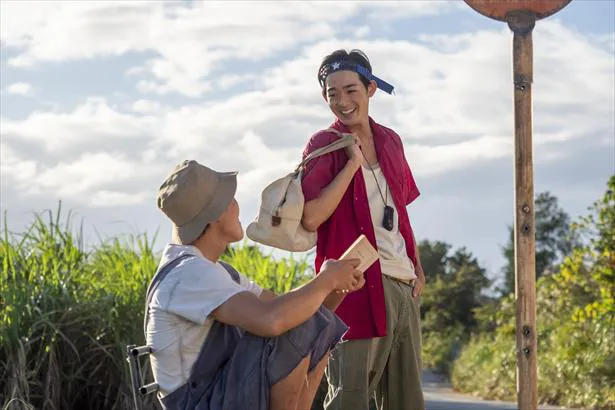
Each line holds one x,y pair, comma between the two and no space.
344,274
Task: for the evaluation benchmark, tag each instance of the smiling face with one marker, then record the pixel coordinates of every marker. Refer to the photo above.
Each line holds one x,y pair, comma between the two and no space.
348,98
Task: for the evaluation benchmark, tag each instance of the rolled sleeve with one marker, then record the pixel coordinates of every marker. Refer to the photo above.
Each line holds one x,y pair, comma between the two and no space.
198,290
411,190
250,285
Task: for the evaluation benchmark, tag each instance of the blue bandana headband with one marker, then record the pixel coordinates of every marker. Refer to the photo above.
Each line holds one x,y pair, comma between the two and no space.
336,66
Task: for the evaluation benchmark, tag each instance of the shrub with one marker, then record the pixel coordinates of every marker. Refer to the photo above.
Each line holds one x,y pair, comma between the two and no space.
575,325
67,313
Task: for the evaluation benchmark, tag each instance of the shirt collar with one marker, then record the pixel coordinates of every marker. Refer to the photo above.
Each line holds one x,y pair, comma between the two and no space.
378,131
173,251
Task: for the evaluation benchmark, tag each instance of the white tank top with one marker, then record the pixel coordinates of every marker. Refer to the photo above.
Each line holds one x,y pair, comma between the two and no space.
391,244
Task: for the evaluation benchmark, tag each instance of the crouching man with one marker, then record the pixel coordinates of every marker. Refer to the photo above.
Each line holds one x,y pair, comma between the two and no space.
219,340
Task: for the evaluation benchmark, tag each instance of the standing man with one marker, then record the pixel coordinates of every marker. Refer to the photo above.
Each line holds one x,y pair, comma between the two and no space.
365,190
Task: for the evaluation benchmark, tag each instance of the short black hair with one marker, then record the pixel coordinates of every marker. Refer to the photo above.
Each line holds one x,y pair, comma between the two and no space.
355,55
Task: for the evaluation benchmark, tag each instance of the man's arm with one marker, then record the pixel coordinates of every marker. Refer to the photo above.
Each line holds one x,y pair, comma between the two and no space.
319,209
266,295
334,300
331,302
418,269
280,314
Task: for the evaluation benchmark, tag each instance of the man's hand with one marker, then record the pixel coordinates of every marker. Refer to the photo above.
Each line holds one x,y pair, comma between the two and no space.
343,275
419,283
355,157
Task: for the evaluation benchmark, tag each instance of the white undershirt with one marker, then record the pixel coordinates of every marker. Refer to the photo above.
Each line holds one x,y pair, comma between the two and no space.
394,259
180,310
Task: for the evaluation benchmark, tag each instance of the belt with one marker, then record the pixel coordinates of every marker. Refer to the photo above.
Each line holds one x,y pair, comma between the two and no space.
409,282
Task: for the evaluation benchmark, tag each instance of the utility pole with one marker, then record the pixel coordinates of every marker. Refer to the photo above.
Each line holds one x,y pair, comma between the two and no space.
521,16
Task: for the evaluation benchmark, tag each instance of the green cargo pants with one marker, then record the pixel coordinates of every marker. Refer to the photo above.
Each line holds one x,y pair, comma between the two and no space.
389,367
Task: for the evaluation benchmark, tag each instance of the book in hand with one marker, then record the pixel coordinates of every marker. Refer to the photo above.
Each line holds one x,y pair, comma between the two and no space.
363,250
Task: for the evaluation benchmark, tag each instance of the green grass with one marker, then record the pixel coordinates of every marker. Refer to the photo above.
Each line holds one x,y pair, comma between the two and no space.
67,313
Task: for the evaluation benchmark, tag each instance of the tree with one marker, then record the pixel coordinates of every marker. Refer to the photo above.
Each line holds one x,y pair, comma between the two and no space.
454,286
590,271
434,258
554,240
598,227
455,282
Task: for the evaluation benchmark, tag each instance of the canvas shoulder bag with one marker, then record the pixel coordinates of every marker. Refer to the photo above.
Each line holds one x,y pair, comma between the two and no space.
278,222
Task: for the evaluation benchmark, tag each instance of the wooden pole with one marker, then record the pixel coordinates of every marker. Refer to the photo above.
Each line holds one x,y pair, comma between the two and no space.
521,16
522,24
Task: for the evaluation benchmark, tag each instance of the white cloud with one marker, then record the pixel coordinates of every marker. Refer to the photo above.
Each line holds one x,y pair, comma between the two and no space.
189,42
403,9
362,31
83,179
440,159
87,173
23,89
17,169
453,108
227,81
42,30
605,40
93,123
114,198
146,106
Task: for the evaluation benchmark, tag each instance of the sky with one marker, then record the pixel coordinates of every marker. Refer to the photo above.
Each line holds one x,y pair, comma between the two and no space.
100,100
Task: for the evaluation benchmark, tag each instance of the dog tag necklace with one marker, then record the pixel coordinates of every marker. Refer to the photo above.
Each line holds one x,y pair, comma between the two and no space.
387,219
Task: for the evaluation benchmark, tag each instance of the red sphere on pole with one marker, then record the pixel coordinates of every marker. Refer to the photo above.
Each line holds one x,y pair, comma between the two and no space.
498,9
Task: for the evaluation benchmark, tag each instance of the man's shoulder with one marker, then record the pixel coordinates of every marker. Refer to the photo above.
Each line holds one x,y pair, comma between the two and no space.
190,269
319,139
388,132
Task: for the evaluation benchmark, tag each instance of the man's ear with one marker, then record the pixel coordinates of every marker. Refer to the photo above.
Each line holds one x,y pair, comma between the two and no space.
372,88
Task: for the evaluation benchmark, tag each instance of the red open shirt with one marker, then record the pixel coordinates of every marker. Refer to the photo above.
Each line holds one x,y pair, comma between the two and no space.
363,310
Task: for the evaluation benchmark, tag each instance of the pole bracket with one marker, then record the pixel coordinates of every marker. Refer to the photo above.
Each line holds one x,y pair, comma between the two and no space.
522,82
521,22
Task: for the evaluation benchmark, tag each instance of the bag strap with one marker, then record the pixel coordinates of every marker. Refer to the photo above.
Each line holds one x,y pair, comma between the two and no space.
231,271
158,277
344,141
165,270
